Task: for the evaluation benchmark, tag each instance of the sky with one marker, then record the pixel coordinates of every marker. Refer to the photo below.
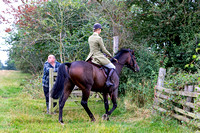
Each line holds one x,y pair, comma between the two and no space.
3,34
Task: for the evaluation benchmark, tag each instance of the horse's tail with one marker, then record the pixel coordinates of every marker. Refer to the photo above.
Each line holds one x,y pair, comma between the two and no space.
58,87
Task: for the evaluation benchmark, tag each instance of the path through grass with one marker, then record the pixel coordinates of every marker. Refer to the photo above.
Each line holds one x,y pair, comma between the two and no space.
19,112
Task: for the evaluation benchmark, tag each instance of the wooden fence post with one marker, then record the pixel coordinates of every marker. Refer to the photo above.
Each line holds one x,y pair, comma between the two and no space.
52,76
115,44
51,81
188,88
161,78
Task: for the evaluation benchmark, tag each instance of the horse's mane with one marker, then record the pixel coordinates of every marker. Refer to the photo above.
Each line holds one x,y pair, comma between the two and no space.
120,52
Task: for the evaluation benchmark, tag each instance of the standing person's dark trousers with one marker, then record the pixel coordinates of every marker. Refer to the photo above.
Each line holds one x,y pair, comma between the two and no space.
46,94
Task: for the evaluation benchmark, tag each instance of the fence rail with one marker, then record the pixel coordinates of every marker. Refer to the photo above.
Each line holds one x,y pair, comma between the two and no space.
182,105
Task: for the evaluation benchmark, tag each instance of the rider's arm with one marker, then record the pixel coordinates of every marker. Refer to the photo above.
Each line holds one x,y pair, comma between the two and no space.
103,48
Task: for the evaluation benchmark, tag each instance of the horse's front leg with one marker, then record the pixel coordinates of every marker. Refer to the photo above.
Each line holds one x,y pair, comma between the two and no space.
105,97
113,97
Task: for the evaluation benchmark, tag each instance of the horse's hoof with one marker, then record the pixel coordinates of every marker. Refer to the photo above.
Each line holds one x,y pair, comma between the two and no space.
61,122
93,120
105,117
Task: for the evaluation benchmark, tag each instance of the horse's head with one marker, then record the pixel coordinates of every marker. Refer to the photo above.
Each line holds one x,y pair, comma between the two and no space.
131,62
127,57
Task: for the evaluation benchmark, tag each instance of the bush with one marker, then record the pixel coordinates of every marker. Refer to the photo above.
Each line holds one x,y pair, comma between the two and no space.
140,85
177,81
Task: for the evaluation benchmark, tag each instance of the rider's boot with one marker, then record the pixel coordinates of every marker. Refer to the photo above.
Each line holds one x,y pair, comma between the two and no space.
108,81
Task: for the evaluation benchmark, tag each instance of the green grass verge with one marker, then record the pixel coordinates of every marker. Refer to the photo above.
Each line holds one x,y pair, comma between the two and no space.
19,112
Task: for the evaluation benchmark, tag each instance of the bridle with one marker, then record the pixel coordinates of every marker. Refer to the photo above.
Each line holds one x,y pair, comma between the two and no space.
129,65
132,59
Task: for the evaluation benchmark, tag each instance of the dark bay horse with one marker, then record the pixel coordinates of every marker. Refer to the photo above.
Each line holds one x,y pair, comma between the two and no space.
88,78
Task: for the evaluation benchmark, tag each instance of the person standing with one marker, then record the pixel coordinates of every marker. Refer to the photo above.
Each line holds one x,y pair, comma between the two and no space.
50,63
96,46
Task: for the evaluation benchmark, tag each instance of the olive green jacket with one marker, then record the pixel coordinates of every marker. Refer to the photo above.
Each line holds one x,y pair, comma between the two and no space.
96,46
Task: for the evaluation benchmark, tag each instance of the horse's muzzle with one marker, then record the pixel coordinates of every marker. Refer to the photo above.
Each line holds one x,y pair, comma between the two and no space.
137,69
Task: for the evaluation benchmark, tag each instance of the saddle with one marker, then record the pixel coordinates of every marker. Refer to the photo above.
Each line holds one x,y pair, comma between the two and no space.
101,67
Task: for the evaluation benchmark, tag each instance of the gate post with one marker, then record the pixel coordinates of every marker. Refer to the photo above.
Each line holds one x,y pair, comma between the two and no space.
188,88
51,81
115,44
160,82
161,77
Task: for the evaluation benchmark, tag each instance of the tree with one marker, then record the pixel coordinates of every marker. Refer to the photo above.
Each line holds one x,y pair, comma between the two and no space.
169,28
10,65
116,16
54,27
1,65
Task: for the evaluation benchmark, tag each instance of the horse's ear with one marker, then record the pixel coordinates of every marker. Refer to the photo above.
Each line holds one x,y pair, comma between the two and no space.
130,50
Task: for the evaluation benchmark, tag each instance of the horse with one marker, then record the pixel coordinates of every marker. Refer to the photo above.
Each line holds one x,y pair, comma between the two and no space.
89,77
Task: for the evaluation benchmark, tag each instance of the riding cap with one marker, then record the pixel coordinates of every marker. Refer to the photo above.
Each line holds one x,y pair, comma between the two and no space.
97,26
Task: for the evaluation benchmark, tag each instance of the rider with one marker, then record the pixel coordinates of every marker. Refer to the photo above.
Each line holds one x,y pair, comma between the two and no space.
96,46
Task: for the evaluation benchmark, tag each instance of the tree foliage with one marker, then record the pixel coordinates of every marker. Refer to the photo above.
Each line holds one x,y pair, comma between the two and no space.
9,65
169,28
1,65
55,27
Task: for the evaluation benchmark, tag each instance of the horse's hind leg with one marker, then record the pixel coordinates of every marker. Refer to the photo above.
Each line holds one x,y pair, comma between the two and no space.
84,103
68,87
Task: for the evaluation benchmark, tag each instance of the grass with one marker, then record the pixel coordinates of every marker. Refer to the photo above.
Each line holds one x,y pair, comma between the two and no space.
11,83
20,112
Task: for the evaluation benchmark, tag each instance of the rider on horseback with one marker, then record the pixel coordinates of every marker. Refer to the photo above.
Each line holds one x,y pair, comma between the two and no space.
96,46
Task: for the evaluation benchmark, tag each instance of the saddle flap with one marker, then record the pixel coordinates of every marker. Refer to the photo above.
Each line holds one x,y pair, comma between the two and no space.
101,67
